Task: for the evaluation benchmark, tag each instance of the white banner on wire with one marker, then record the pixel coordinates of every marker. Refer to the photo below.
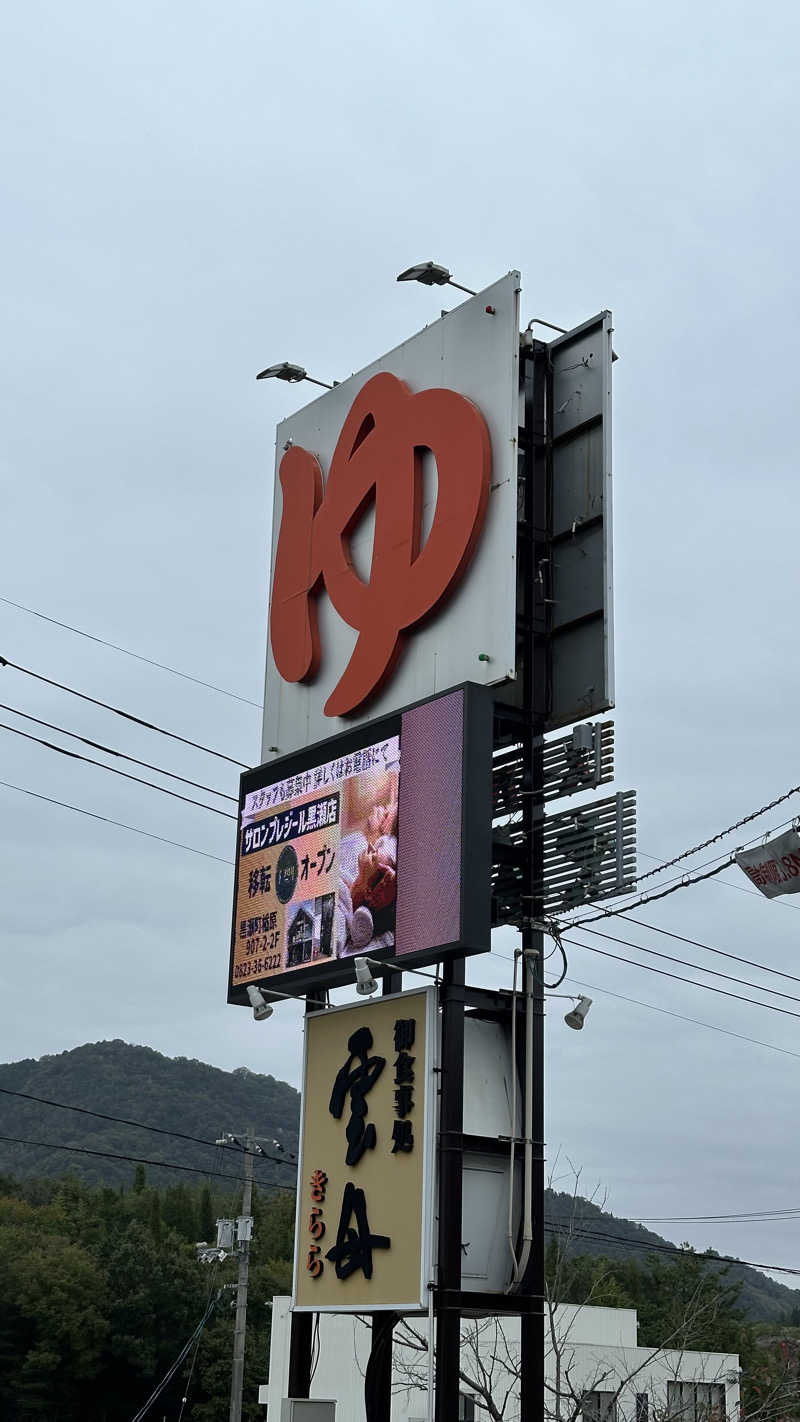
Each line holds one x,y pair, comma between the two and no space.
774,867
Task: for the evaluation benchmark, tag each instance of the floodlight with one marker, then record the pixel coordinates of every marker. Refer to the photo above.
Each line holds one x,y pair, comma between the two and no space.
579,1013
432,274
261,1008
365,983
284,370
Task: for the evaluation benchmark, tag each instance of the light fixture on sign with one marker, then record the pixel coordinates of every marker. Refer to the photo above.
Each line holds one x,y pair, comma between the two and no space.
432,274
261,1008
293,374
365,983
579,1013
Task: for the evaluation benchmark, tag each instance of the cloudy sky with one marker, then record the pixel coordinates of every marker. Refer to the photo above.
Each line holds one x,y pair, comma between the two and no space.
193,191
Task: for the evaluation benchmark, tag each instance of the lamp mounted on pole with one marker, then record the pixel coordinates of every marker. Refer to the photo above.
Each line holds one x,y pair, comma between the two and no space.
292,374
432,274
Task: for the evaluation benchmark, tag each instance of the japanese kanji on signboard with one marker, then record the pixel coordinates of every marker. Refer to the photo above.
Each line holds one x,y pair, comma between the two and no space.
365,1206
318,864
376,842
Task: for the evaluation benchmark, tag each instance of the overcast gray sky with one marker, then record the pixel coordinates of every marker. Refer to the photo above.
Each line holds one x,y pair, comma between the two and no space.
193,191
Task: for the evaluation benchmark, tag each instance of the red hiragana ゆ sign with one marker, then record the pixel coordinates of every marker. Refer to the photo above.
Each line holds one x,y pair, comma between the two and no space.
378,455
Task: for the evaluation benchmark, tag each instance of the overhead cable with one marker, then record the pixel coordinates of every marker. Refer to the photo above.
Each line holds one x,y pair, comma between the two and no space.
678,977
122,755
194,1341
117,711
162,666
685,882
114,770
704,1256
104,819
698,967
143,1160
555,1225
682,1017
723,834
140,1125
695,943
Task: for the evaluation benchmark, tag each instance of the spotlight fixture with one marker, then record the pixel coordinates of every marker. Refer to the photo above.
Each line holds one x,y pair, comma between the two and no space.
293,374
433,274
579,1013
365,983
261,1008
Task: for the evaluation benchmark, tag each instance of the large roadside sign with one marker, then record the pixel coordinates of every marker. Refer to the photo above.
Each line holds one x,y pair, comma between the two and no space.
365,1198
394,530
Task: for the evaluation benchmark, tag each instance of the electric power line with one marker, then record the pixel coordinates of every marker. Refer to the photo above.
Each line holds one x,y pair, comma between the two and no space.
695,943
185,1350
678,977
117,711
699,968
709,1256
114,770
554,1224
685,882
681,1017
162,666
728,883
714,839
140,1125
106,820
109,750
753,1216
143,1160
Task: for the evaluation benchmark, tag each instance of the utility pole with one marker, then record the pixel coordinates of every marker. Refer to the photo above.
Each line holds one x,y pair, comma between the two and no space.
243,1231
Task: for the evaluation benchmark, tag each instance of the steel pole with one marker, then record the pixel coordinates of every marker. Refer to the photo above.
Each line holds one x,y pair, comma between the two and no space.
536,699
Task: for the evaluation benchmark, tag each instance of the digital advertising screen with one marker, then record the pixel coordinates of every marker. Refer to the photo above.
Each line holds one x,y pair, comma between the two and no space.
374,842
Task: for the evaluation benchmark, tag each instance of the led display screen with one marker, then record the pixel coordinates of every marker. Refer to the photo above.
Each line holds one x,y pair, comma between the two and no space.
373,842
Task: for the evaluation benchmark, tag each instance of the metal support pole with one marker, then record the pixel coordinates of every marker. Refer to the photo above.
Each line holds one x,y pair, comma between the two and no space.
301,1330
536,692
237,1374
451,1125
378,1374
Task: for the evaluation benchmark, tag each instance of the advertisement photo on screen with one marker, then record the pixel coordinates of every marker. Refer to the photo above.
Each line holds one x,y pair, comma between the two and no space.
357,845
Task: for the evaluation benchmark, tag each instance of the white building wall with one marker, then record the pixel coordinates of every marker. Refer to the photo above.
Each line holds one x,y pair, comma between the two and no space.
597,1346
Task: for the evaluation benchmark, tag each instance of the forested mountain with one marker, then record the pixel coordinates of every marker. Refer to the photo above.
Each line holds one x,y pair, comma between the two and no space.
174,1093
190,1097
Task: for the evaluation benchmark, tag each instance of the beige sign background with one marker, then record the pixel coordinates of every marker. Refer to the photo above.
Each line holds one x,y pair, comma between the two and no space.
397,1185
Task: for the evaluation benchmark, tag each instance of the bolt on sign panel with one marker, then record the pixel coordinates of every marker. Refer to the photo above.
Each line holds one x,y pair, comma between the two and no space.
394,529
363,1237
376,841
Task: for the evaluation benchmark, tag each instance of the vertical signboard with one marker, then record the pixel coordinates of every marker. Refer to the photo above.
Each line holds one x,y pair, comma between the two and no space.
394,529
363,1238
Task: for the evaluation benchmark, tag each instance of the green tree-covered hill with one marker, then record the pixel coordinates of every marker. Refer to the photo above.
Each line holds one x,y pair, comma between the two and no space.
140,1084
191,1097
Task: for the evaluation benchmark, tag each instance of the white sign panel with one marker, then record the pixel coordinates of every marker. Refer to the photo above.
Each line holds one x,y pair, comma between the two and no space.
394,529
774,867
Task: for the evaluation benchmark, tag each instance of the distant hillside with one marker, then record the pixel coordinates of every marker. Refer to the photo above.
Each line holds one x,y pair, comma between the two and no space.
199,1100
174,1093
